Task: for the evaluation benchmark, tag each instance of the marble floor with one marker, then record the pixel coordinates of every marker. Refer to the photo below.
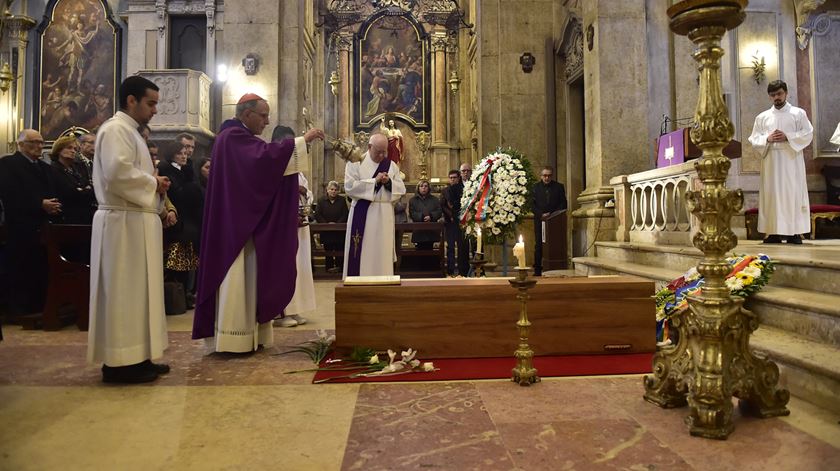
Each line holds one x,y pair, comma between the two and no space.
237,411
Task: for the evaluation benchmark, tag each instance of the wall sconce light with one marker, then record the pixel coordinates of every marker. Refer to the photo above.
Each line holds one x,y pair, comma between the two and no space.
6,77
527,61
251,63
758,67
221,73
454,81
334,82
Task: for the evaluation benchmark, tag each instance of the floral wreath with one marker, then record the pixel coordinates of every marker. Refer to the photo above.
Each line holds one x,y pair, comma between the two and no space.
497,196
748,275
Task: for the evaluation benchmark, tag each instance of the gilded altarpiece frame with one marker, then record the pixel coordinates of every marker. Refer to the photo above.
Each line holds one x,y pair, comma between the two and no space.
392,72
78,47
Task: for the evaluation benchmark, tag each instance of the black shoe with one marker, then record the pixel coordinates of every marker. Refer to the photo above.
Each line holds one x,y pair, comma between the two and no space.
159,368
773,239
794,239
131,374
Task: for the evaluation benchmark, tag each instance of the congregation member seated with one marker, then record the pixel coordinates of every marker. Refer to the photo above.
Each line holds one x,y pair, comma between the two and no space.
181,241
424,207
332,209
73,183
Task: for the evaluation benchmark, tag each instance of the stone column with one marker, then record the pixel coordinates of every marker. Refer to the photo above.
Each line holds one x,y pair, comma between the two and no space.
617,141
344,44
210,58
439,45
160,11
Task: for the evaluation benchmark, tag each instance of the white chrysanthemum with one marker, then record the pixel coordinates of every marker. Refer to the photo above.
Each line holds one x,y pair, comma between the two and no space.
751,271
496,231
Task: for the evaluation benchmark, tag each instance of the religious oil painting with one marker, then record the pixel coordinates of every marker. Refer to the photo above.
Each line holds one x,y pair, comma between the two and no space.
79,54
392,72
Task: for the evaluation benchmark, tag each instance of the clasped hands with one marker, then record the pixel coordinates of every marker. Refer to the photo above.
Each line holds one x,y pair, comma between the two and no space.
51,206
382,178
777,136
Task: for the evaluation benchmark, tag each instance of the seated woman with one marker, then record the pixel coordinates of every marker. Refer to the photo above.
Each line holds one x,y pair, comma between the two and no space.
424,207
181,241
332,208
74,187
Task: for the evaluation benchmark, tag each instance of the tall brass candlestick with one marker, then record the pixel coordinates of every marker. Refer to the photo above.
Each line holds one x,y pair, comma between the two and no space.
712,361
524,373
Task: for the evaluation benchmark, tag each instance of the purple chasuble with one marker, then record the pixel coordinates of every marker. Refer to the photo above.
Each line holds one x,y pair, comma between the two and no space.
248,197
357,226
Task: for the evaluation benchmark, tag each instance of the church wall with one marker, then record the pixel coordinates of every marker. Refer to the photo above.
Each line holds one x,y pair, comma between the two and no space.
512,102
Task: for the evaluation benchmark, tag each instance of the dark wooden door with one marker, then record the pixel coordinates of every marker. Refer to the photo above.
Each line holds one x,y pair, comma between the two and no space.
188,42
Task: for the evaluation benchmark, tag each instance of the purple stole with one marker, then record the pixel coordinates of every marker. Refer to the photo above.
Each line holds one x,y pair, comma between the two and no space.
357,226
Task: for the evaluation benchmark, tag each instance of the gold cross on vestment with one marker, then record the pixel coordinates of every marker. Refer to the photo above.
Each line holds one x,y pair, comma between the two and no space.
357,240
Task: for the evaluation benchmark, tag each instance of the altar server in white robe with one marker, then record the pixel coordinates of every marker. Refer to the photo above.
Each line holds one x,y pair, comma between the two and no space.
304,298
127,320
779,135
374,184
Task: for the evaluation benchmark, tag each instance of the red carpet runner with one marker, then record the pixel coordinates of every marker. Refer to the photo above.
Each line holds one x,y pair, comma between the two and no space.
451,369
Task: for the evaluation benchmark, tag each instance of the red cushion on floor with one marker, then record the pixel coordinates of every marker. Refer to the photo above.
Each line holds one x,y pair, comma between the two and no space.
825,208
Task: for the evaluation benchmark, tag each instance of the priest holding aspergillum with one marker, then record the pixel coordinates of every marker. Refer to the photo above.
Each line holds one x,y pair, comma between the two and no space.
249,241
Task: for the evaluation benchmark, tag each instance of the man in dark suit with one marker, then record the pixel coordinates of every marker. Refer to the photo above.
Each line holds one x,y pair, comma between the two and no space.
451,204
547,196
28,194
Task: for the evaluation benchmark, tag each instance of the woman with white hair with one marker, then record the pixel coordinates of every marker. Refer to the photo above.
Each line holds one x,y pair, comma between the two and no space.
332,209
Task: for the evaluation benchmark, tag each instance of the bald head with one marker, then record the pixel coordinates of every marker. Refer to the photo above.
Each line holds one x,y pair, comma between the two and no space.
466,172
378,147
30,143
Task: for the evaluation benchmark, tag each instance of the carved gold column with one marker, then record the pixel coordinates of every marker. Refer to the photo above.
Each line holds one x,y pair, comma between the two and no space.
439,45
344,44
711,361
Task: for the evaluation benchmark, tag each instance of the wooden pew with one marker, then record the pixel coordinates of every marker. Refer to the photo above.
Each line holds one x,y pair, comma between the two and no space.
68,281
403,253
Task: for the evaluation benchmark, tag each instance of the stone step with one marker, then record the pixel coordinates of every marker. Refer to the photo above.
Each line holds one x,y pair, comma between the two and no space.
809,370
811,314
810,267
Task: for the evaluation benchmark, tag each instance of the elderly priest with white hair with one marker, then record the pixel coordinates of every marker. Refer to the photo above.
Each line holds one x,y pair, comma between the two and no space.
374,184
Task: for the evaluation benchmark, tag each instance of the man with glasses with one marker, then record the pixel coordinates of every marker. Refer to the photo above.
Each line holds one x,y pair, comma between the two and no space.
450,201
27,190
249,242
87,148
466,172
547,196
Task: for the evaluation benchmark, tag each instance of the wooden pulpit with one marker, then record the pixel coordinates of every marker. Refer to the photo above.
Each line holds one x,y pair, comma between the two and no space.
554,251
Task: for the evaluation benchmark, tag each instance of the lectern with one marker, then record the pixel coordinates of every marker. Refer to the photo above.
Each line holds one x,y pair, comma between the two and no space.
554,251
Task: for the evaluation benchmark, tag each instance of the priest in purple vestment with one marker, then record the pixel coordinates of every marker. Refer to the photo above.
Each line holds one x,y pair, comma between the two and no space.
247,271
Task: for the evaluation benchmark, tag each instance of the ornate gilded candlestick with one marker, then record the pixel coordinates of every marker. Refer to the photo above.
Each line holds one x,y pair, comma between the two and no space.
711,361
524,373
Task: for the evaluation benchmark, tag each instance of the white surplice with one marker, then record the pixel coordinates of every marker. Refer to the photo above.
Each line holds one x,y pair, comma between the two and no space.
237,329
304,298
783,206
127,319
378,253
